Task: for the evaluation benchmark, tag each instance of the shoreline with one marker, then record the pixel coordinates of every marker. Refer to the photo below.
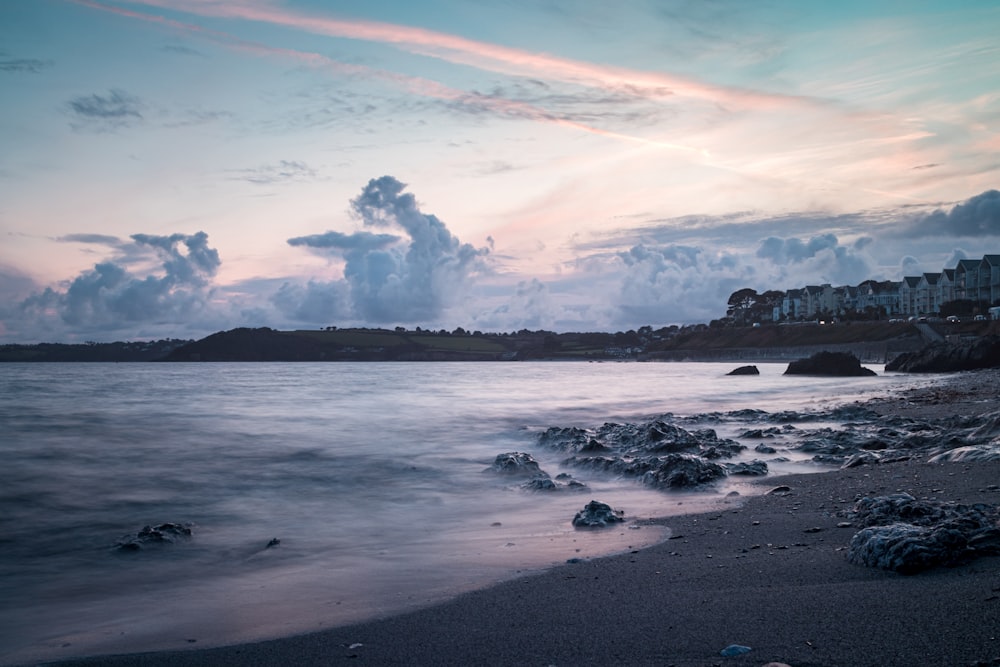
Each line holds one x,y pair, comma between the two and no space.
755,574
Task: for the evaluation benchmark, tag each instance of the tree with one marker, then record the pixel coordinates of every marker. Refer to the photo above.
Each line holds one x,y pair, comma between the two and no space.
740,302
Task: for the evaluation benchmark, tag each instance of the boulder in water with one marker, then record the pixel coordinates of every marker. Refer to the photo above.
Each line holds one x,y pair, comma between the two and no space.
744,370
597,515
839,364
165,533
516,464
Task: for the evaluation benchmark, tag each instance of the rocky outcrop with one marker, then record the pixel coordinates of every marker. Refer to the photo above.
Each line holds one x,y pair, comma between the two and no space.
165,533
597,515
840,364
658,453
516,464
744,370
949,357
906,535
523,466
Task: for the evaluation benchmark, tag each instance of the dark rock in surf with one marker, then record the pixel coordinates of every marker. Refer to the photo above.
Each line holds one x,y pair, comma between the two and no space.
682,471
597,515
165,533
840,364
950,357
906,535
541,483
751,468
516,464
744,370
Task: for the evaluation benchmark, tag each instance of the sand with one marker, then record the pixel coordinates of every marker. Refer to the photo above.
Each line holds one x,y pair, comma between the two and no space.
768,572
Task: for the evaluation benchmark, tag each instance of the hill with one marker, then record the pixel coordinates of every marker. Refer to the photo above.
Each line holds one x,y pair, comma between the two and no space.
869,341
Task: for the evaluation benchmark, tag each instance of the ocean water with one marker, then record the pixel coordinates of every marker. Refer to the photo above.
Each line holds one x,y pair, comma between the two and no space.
371,475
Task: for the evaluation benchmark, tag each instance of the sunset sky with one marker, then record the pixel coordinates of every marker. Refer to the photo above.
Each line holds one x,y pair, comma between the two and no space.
171,168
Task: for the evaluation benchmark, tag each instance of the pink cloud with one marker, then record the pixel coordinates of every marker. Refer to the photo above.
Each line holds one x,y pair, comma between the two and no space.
487,56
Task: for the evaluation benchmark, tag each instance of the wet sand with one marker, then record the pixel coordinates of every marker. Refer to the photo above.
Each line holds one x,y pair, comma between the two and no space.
768,572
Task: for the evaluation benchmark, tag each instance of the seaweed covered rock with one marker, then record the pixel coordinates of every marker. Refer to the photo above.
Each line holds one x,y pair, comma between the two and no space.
906,535
597,515
839,364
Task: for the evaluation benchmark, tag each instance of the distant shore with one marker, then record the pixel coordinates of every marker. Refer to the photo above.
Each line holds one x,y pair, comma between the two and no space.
768,572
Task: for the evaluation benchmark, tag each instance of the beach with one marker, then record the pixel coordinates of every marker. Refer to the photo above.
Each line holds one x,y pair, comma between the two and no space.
768,572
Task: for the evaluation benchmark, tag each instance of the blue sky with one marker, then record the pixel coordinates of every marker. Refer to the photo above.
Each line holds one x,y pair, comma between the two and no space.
174,168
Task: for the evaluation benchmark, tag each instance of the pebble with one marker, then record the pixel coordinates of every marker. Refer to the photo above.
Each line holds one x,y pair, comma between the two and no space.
734,650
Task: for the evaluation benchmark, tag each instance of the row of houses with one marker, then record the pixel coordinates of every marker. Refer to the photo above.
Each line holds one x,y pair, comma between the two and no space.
976,280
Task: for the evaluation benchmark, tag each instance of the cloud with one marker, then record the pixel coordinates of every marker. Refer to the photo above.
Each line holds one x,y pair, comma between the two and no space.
24,65
96,239
111,297
820,259
108,112
283,171
410,278
182,50
314,302
358,241
530,306
975,217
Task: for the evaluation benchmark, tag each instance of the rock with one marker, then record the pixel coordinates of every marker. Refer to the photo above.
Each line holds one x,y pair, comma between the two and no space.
906,535
734,650
946,357
841,364
989,429
541,483
677,471
744,370
517,464
779,491
971,453
571,438
765,449
859,459
597,515
165,533
754,467
566,480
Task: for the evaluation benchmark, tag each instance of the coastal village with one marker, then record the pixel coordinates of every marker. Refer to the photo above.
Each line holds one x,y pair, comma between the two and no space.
969,289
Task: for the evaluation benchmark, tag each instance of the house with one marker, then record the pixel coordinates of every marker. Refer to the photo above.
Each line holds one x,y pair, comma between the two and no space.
791,305
967,279
928,295
908,295
879,296
819,300
989,279
946,286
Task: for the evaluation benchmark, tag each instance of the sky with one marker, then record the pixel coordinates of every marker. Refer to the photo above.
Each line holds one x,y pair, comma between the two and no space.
172,168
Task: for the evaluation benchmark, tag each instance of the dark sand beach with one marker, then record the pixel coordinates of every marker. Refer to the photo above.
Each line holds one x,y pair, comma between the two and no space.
767,572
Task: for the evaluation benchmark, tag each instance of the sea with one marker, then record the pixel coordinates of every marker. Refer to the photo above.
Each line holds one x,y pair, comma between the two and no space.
321,494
